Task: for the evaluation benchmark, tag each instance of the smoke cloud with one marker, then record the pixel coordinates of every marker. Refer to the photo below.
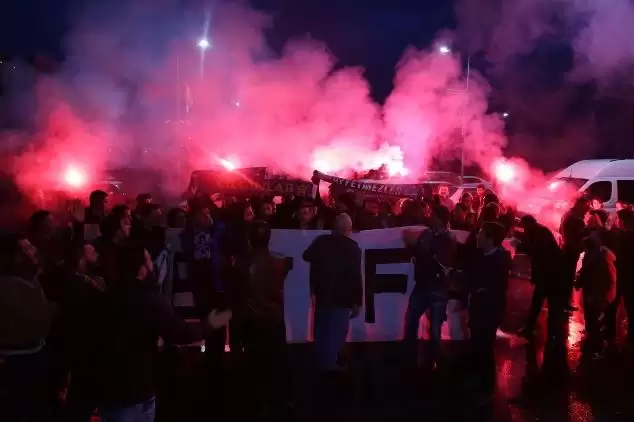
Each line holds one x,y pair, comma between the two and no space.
135,90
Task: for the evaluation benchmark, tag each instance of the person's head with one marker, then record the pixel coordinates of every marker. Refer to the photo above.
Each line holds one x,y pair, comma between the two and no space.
490,213
592,242
151,214
176,218
345,202
582,206
307,212
596,204
98,200
18,257
248,214
443,191
85,259
467,200
625,219
480,190
259,235
115,228
200,216
620,205
143,198
528,222
460,212
266,209
342,224
490,198
41,224
386,208
122,211
372,207
490,236
133,263
439,217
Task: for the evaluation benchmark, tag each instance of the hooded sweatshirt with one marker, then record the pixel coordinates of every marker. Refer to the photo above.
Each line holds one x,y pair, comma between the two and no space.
597,277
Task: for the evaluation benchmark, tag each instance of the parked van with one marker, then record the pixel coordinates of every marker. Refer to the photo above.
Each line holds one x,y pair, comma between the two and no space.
609,181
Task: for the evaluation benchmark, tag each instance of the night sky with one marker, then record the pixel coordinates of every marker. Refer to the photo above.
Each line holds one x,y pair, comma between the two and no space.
373,34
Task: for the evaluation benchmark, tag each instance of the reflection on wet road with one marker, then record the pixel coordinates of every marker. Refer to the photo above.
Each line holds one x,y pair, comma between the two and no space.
536,381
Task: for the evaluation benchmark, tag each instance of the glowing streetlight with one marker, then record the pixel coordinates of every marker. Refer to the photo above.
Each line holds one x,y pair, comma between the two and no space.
445,50
204,43
505,115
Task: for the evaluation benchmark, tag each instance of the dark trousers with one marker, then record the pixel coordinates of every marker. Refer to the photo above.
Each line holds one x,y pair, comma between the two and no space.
483,354
558,300
420,302
264,341
330,328
537,303
611,315
569,272
592,313
207,299
24,388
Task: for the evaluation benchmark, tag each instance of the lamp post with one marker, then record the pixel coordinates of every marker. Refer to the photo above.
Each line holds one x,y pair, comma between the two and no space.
444,49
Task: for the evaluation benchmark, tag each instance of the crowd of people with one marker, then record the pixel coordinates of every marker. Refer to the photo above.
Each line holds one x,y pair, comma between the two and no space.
85,316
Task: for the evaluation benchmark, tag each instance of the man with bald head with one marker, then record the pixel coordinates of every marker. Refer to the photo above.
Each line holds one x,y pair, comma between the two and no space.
336,289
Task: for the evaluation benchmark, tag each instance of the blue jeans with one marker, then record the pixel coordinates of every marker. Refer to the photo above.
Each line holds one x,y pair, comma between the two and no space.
421,301
331,327
142,412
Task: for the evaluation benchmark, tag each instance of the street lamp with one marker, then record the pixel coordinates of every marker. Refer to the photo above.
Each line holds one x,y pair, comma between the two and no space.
444,50
204,44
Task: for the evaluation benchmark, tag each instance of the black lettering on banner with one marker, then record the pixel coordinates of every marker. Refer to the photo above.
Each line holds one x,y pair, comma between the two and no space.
383,283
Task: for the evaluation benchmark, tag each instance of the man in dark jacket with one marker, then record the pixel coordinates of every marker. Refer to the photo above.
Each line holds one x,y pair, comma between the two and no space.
262,275
135,316
623,234
434,254
206,269
25,319
539,243
336,286
572,231
487,279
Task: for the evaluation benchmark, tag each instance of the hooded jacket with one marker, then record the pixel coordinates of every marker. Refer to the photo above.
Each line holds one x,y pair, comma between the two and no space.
597,277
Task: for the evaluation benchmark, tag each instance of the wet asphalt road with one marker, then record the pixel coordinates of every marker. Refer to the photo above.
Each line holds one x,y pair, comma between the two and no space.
535,382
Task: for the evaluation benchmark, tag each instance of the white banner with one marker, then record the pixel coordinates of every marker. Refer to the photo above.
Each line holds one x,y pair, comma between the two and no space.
391,280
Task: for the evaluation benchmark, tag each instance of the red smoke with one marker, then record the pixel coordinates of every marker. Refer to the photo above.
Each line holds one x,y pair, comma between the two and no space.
236,104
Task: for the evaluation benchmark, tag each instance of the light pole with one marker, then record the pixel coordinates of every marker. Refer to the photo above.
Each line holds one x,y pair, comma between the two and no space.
444,49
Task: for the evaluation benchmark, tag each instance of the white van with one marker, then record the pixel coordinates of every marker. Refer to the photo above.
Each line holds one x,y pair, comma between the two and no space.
608,180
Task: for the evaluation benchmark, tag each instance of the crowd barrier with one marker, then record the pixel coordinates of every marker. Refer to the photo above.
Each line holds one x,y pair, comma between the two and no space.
388,280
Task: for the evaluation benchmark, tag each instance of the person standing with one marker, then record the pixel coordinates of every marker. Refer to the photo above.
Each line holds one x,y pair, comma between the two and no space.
262,275
487,279
336,286
135,316
597,280
572,231
25,320
434,254
539,243
206,268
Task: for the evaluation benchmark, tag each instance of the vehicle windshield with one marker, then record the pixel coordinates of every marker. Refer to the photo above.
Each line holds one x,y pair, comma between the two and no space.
560,185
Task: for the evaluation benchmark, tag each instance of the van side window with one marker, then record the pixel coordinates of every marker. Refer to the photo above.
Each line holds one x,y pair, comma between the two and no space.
600,190
625,190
